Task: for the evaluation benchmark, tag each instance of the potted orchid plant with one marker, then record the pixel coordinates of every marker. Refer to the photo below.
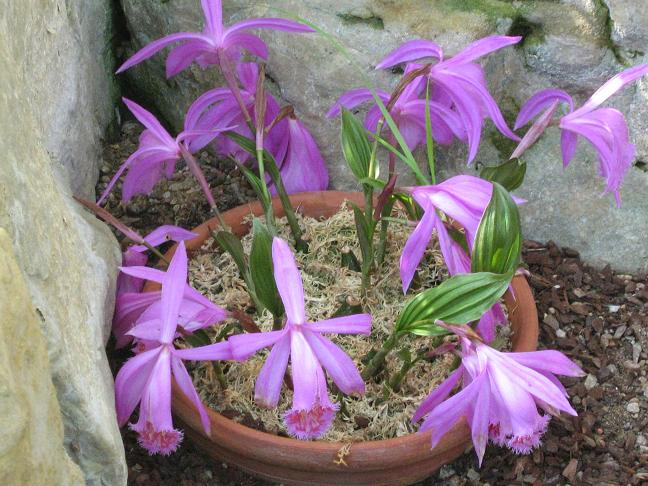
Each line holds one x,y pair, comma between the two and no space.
505,397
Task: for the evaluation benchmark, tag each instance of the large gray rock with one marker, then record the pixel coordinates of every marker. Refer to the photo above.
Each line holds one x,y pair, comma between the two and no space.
55,101
572,44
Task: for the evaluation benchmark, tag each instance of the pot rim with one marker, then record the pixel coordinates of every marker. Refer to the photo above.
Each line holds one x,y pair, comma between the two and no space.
404,451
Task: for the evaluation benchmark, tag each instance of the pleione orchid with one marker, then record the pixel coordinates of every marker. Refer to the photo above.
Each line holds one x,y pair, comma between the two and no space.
215,42
135,255
309,351
145,379
605,128
157,155
500,396
458,83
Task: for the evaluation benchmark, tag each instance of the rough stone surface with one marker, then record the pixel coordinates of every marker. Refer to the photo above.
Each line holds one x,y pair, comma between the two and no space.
32,449
570,44
66,257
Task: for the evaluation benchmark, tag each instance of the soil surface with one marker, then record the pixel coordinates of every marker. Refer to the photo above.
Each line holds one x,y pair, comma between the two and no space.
597,317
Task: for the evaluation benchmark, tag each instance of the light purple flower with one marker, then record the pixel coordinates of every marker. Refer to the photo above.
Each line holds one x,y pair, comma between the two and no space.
196,311
135,255
605,128
500,397
408,113
214,42
146,378
158,152
309,351
459,83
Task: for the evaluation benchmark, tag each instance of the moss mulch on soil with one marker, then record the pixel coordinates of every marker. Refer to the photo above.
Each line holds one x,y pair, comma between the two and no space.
597,317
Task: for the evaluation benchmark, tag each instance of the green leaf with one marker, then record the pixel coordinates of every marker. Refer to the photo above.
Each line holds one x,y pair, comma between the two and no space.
421,179
461,299
256,184
198,338
429,141
355,145
261,269
365,237
232,245
375,183
509,174
498,242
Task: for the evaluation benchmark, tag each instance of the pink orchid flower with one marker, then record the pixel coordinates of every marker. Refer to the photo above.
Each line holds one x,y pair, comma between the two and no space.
156,157
459,84
605,128
408,113
464,199
196,311
500,396
219,104
309,351
135,255
215,42
146,377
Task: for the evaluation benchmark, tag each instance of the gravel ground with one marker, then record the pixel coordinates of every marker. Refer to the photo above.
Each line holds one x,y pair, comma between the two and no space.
597,317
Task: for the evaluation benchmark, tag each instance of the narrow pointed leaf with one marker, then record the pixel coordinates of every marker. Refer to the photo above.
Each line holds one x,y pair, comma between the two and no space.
261,269
365,237
355,145
498,242
509,174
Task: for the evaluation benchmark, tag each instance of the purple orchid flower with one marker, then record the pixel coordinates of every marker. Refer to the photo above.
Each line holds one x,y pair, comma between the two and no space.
309,351
408,113
157,155
215,42
135,255
605,128
218,105
463,198
131,308
459,84
500,396
146,377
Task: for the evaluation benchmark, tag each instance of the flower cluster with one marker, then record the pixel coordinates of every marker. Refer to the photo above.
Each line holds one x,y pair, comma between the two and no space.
506,397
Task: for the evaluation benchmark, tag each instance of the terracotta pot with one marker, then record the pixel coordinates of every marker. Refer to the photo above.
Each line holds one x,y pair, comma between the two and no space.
403,460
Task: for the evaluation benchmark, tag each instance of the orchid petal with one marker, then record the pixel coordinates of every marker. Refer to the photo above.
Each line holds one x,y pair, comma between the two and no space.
157,45
163,234
303,365
249,42
437,396
479,422
269,23
173,284
183,55
481,47
568,143
536,131
183,380
336,362
354,324
213,10
416,245
220,351
548,360
268,384
539,102
289,282
130,382
411,51
353,98
245,345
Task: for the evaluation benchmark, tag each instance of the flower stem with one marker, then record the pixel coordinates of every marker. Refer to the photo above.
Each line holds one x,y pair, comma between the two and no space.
376,363
227,69
220,376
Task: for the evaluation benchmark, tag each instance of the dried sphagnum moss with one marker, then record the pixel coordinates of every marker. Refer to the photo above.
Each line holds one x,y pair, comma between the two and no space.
380,413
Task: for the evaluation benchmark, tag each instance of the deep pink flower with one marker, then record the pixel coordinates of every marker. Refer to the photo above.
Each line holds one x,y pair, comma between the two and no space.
500,396
408,113
219,105
135,255
214,42
146,378
605,128
158,152
459,83
309,351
